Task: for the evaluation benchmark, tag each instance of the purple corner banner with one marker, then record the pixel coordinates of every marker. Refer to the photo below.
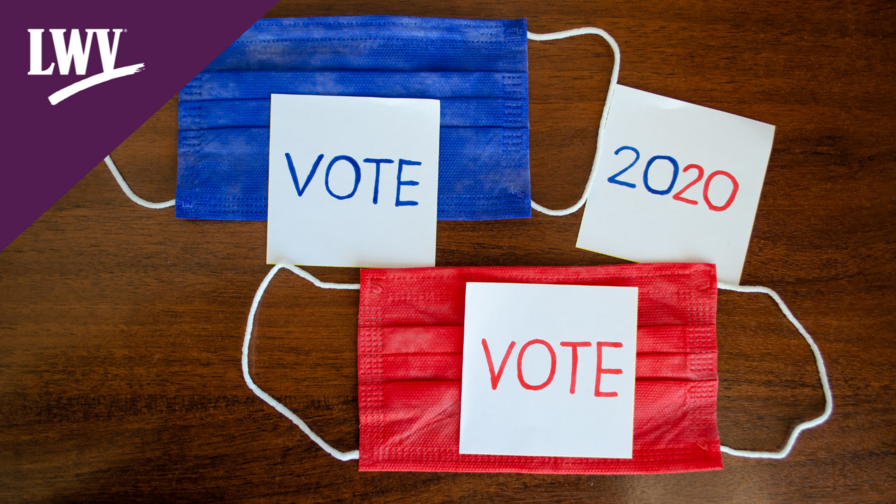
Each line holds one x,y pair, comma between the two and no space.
99,99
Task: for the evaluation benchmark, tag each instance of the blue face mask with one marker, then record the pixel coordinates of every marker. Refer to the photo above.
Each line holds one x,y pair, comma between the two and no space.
477,68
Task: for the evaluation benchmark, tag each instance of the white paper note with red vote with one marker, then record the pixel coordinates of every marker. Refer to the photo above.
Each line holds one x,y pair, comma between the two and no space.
676,182
548,370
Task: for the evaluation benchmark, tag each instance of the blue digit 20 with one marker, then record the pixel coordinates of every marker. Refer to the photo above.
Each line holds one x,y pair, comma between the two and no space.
615,178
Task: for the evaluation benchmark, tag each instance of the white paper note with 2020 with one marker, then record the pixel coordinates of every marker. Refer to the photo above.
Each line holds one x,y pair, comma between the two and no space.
676,182
548,370
353,181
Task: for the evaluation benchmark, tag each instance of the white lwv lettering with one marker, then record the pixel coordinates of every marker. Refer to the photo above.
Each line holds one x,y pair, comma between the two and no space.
78,52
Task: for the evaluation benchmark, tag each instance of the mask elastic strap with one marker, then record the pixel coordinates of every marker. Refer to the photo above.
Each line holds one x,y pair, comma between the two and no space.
603,118
343,456
822,373
127,189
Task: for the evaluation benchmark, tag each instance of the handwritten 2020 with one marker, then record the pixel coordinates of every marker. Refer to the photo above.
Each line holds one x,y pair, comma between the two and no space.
679,196
574,346
402,163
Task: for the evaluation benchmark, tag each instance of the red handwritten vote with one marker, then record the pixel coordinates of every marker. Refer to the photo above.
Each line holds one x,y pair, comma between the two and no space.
574,346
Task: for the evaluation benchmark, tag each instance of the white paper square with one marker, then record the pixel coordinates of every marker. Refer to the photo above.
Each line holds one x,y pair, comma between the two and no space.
329,225
633,223
552,421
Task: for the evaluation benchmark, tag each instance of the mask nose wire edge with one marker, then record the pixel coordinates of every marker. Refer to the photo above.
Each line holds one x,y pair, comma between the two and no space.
130,194
603,118
343,456
822,374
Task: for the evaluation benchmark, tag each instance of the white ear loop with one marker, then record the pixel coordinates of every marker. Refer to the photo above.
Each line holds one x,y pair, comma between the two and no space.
822,373
343,456
603,118
127,189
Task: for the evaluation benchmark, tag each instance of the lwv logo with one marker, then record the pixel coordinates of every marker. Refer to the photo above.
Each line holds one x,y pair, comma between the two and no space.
78,53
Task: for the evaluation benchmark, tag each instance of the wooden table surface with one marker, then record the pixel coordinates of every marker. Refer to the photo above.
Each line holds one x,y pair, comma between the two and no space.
121,327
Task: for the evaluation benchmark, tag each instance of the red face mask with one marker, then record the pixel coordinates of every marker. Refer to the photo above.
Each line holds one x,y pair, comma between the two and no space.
410,356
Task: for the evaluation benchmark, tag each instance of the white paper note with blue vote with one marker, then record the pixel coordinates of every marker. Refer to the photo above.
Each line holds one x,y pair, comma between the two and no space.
353,181
676,182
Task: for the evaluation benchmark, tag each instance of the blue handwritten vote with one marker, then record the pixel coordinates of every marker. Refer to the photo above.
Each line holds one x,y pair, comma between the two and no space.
300,189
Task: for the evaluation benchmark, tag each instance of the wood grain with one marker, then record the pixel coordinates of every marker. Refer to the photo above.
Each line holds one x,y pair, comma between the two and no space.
120,327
